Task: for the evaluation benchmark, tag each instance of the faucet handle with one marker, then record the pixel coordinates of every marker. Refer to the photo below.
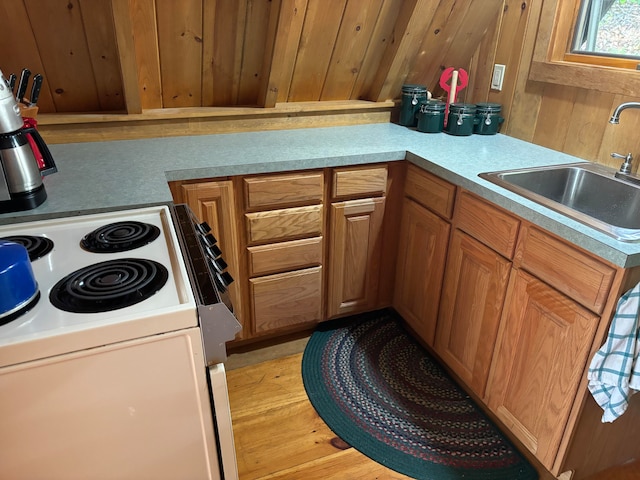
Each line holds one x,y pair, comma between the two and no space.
626,165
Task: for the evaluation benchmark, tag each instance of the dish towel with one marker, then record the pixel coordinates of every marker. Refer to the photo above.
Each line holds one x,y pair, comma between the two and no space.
614,372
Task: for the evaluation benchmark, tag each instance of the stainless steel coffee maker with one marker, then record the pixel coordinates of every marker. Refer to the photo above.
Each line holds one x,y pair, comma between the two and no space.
24,157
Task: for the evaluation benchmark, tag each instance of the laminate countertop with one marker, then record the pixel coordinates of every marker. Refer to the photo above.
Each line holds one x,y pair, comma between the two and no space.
103,176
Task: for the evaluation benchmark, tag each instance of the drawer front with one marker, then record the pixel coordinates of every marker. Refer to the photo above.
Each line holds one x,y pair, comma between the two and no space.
286,299
578,275
351,182
430,191
285,256
283,224
490,225
277,190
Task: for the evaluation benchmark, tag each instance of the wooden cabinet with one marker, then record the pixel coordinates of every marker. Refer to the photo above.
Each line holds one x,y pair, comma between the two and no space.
273,229
284,225
543,346
356,236
549,322
475,286
213,202
422,250
356,227
474,289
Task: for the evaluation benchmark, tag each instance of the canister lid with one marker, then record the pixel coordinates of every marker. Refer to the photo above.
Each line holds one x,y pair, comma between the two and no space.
488,107
462,108
417,89
432,105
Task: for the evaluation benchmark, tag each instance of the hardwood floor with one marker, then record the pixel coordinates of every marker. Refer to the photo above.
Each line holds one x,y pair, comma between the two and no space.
278,434
630,471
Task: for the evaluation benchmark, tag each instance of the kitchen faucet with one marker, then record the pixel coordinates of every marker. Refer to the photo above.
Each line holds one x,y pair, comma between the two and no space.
625,168
615,116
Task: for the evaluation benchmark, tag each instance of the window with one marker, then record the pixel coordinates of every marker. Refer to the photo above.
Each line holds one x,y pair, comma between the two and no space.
608,30
592,44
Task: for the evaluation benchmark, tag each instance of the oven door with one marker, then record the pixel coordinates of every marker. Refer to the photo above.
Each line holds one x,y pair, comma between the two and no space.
136,410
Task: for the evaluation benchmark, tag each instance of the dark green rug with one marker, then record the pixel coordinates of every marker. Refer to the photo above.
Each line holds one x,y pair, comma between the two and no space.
382,393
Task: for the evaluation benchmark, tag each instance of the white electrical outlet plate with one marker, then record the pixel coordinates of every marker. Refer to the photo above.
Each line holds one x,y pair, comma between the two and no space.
498,77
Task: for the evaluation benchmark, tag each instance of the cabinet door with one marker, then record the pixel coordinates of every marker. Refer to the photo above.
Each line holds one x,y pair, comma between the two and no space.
473,295
542,351
213,202
421,257
354,256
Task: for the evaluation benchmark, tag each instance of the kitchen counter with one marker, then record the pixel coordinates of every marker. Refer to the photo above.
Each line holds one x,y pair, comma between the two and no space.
102,176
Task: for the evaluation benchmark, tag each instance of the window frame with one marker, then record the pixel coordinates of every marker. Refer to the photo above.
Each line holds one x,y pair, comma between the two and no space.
552,61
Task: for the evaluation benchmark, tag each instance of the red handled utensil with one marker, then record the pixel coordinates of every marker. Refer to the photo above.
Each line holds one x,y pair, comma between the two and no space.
459,79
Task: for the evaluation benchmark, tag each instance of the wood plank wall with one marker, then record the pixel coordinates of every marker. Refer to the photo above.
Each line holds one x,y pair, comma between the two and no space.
141,56
569,119
136,55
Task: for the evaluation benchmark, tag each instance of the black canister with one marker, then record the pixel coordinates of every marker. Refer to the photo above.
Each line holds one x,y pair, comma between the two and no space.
488,118
412,95
461,119
431,116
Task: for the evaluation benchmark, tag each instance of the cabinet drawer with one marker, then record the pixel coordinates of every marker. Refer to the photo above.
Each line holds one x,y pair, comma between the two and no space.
578,275
353,182
430,191
284,224
284,256
276,190
490,225
286,299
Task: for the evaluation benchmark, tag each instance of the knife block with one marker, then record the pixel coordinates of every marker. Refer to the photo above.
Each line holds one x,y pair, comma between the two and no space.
28,112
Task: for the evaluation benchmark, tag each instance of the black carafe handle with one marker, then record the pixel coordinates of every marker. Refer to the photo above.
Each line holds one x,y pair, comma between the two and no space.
49,166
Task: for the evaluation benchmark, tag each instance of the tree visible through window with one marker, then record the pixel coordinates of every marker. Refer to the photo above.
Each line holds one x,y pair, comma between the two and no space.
608,28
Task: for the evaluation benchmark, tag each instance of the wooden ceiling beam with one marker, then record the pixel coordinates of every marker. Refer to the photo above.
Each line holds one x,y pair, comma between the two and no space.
127,55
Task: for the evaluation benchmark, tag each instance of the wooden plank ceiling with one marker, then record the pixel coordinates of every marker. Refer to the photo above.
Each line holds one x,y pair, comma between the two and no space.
135,55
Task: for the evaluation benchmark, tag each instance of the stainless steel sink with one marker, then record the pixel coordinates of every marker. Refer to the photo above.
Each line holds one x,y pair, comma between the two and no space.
587,192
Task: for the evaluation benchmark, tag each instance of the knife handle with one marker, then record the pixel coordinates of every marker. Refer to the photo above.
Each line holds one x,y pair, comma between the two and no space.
22,86
12,81
35,89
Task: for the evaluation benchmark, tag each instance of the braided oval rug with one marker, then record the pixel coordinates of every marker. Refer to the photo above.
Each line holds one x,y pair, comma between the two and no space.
386,396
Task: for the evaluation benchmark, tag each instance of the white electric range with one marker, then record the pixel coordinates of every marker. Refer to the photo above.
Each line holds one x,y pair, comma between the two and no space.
116,371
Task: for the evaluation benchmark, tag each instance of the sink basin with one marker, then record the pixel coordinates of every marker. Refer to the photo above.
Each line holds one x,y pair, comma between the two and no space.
587,192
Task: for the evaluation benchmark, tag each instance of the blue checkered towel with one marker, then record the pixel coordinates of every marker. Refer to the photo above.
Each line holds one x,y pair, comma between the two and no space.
614,372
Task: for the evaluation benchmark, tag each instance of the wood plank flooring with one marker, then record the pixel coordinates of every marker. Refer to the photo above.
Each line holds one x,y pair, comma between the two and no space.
278,434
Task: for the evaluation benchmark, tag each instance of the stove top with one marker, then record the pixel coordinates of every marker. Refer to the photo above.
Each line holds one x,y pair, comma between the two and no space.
95,262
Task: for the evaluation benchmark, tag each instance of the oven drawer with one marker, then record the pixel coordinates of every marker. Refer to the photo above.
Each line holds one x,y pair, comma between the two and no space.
285,256
286,223
286,299
278,190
